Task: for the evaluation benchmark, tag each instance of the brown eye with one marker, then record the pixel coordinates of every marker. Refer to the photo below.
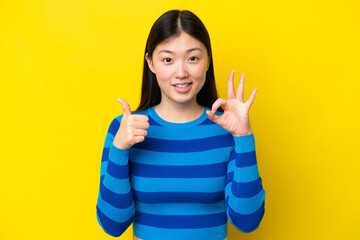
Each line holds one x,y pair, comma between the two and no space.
193,58
165,59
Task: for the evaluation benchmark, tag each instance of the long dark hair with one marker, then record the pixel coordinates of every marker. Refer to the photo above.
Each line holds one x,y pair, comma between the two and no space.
170,24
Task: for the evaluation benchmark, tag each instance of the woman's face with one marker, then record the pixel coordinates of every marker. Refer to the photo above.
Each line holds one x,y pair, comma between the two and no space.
180,66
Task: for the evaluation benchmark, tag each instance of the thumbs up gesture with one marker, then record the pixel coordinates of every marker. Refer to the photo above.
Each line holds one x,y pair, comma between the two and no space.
132,128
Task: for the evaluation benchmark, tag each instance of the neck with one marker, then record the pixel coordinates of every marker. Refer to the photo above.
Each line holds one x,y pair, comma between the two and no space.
179,112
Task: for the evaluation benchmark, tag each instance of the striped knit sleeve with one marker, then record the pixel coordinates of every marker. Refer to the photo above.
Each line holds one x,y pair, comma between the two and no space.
244,193
115,204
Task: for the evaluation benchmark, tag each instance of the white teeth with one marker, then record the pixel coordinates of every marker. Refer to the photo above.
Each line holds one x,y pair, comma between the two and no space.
183,85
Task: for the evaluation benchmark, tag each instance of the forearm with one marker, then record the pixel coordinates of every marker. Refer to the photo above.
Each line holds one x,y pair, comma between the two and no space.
246,196
115,205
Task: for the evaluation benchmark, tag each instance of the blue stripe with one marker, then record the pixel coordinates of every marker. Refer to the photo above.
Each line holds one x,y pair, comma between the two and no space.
142,112
114,125
108,140
152,122
115,214
103,168
228,189
185,133
231,166
118,171
192,221
176,184
105,154
193,145
246,189
244,166
246,174
247,206
147,232
116,185
229,177
233,155
246,223
245,159
116,200
175,159
197,171
180,208
208,121
178,197
111,227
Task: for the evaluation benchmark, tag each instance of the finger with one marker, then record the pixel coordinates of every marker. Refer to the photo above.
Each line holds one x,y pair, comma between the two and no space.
239,94
140,124
212,116
139,139
140,132
251,98
219,102
141,117
231,91
125,106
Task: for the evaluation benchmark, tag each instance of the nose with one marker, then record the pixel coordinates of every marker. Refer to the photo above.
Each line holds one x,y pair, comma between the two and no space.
181,71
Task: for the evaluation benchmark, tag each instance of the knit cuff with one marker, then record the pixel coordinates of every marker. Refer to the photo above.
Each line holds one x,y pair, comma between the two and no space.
244,143
118,156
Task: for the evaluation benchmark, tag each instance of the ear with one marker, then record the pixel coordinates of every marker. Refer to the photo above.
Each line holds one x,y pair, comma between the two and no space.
149,62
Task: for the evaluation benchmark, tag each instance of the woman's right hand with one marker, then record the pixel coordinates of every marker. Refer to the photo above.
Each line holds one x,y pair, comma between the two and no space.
132,128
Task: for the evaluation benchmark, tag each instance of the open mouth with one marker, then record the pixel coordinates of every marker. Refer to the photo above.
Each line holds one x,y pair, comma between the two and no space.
183,88
182,85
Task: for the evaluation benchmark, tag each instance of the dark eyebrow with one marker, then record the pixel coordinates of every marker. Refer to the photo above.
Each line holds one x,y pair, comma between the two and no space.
189,50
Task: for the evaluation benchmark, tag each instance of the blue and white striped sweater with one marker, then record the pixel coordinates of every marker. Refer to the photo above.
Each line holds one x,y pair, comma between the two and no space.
182,182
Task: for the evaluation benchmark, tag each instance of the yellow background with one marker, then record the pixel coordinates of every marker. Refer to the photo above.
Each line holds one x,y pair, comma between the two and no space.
65,63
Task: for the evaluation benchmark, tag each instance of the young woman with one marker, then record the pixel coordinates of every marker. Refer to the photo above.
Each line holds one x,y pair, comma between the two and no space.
180,166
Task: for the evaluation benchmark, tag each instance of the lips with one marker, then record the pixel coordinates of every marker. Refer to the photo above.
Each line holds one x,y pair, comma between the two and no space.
183,89
181,83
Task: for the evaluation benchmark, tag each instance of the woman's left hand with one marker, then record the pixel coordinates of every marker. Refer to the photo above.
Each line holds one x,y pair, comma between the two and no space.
235,118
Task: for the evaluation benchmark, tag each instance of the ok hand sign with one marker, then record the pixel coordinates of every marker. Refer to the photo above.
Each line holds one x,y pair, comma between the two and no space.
235,118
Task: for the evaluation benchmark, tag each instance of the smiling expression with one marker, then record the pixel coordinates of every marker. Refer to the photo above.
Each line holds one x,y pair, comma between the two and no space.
180,64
